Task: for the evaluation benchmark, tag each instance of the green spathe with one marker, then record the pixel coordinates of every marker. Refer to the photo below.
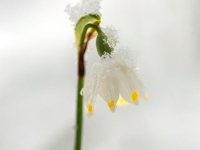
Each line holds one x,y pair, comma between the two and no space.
80,25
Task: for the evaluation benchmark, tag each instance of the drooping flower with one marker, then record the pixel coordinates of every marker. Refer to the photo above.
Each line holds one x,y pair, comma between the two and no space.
113,76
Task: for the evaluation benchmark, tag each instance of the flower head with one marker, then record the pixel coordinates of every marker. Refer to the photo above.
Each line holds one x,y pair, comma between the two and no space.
115,75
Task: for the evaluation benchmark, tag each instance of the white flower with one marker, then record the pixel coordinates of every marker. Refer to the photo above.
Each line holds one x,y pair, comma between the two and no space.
83,8
114,76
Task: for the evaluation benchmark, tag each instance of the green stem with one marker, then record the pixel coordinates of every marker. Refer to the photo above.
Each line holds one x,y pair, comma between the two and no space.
81,73
79,114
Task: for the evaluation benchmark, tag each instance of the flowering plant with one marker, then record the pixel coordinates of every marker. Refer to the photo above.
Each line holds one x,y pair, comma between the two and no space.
115,77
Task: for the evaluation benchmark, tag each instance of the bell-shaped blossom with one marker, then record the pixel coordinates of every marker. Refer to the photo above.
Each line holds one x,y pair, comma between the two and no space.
114,76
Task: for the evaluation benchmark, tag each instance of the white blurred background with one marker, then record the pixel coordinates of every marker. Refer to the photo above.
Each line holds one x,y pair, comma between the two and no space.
38,77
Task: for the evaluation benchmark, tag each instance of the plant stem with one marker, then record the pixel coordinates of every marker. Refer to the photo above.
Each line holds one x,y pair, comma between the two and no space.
79,115
85,29
79,103
81,73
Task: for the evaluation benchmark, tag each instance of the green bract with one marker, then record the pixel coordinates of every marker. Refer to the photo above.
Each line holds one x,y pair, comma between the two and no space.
83,21
102,45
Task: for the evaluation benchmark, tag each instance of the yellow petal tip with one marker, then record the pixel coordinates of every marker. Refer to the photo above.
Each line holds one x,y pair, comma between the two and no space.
90,108
134,96
111,105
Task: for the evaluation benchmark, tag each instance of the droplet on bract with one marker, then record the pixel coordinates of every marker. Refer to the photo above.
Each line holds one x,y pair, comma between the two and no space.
81,92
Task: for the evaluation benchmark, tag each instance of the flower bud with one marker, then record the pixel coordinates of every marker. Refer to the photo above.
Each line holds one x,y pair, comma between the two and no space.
102,46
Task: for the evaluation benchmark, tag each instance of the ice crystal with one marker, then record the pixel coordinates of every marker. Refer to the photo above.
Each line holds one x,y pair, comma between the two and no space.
83,8
111,36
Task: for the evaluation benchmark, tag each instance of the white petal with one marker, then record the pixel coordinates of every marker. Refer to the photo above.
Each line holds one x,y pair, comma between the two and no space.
91,88
131,87
108,89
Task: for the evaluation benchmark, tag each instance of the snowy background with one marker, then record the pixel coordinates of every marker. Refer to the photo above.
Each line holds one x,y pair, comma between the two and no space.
38,77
